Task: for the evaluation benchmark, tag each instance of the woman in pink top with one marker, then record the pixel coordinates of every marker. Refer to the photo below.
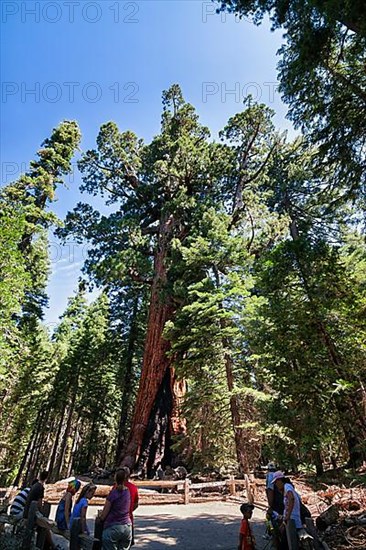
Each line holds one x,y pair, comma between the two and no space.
117,530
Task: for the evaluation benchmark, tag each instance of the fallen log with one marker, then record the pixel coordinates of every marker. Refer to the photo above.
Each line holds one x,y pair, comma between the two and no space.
329,517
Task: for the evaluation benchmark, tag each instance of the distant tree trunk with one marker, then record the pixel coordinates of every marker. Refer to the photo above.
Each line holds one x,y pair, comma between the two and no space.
64,438
318,463
154,385
18,477
55,445
32,469
127,383
333,460
91,444
73,449
241,436
242,444
28,454
352,419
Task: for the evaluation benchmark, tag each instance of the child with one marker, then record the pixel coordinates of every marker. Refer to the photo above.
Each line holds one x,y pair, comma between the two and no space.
63,512
246,539
81,506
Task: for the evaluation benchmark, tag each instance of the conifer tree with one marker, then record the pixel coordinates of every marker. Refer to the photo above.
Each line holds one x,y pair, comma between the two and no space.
163,189
25,218
322,79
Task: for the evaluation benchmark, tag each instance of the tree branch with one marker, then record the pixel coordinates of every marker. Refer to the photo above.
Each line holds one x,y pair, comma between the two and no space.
135,276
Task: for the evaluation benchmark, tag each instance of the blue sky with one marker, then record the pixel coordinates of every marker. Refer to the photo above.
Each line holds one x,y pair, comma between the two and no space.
110,60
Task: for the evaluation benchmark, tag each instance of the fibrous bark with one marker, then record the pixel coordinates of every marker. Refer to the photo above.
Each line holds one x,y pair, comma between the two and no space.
154,398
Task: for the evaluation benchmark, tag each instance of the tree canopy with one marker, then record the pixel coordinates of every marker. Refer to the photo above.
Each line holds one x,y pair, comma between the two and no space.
322,79
230,326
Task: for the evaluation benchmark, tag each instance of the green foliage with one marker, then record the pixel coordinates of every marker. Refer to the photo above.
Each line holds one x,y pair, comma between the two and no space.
252,243
322,79
13,283
252,271
26,366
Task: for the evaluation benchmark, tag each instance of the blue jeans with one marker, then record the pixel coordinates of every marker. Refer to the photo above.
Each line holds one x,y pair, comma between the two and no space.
117,537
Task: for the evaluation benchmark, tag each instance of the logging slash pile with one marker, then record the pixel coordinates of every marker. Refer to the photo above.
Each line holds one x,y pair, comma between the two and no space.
348,532
340,514
344,521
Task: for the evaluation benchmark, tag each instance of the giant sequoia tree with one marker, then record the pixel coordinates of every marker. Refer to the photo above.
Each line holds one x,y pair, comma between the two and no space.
231,324
162,191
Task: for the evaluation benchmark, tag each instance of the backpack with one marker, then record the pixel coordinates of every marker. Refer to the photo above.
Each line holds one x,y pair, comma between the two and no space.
304,512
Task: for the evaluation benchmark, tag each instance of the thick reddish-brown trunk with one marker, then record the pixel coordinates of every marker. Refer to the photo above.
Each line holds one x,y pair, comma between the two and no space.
156,444
156,363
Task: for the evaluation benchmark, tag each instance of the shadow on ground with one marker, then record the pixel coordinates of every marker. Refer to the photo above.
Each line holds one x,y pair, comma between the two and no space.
203,532
209,526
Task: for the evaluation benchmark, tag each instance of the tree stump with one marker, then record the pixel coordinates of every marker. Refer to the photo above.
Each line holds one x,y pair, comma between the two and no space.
75,531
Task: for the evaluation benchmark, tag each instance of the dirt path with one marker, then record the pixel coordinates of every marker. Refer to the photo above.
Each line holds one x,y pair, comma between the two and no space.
193,527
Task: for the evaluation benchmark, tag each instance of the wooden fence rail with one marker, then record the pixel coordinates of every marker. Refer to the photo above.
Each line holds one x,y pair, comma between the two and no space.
173,491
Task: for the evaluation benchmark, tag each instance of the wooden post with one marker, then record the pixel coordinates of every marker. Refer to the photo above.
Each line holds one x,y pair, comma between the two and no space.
75,531
292,539
186,491
98,533
42,531
31,522
248,489
231,484
253,487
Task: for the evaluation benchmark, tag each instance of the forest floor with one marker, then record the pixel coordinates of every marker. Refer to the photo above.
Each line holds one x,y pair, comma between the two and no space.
208,526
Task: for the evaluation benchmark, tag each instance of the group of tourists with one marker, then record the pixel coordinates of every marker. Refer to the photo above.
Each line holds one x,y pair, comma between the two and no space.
284,505
116,516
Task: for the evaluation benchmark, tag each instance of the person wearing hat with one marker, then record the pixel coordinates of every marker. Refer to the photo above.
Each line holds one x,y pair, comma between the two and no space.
246,539
274,496
276,507
271,468
64,507
291,499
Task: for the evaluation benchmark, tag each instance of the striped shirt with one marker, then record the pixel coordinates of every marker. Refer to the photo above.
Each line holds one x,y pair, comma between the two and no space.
19,502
